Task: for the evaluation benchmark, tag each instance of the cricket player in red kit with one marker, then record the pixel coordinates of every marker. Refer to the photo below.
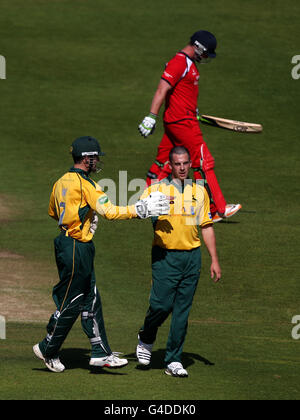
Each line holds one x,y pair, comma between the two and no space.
178,89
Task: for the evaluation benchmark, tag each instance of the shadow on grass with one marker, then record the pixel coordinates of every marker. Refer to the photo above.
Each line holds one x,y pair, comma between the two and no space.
157,360
79,359
228,222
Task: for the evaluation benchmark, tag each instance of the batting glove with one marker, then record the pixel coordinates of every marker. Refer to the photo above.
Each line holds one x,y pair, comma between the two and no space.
147,126
156,204
94,223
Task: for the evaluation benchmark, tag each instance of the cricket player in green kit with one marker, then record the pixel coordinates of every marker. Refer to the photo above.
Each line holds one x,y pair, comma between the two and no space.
176,261
74,203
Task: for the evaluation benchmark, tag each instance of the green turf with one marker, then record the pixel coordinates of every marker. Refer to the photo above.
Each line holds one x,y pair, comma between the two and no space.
91,67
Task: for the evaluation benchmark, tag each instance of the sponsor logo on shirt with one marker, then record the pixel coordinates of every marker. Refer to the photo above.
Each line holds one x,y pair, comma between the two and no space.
168,75
103,200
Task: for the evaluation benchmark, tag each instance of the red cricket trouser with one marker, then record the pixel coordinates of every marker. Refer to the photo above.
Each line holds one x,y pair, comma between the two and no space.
187,133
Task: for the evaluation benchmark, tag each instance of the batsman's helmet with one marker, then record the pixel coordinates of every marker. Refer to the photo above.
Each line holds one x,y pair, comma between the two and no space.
86,146
205,43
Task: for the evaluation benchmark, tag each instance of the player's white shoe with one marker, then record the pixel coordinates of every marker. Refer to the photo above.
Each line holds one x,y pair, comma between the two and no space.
176,369
54,364
111,361
143,352
230,210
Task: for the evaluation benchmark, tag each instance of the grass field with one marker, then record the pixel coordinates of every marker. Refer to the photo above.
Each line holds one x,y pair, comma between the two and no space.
79,67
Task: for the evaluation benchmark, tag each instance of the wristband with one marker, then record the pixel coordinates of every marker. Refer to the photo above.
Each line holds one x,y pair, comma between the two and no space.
154,116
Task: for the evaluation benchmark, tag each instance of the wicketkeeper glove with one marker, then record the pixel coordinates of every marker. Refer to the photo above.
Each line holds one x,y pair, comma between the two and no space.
147,126
156,204
94,223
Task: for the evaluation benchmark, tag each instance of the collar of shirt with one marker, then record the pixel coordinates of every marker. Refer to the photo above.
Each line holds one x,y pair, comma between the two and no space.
182,52
182,185
84,174
80,171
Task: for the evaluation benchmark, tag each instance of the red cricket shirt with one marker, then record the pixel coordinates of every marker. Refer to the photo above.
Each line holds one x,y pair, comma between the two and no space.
181,102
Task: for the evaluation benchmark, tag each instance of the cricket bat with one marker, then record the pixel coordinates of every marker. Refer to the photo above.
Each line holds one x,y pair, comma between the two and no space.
241,126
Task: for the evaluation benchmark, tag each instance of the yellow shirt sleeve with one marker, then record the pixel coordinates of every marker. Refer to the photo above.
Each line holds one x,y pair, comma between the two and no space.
100,202
52,208
206,218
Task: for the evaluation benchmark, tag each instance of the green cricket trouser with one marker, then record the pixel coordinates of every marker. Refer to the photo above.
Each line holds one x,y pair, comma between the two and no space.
75,293
175,276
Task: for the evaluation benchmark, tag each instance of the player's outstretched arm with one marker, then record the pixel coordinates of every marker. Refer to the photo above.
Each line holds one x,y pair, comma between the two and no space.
155,204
